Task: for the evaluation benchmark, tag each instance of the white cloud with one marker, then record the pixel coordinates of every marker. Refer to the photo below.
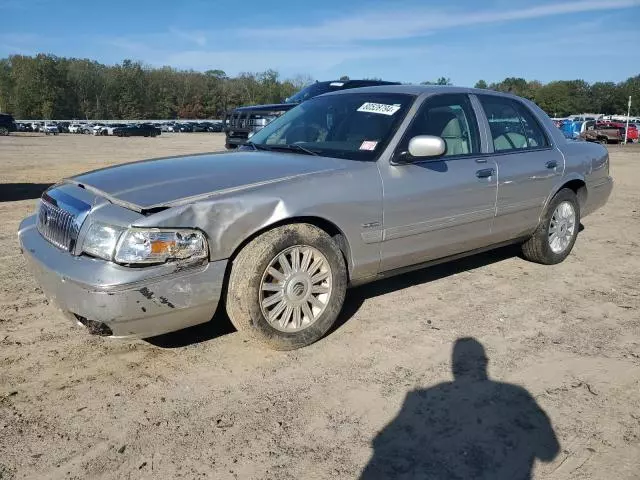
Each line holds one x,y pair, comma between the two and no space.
344,46
303,59
396,24
195,36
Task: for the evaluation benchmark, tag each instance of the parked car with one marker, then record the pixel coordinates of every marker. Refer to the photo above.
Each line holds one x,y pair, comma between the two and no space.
183,127
200,127
573,129
632,133
7,124
24,127
243,122
63,127
216,127
50,129
87,128
601,133
139,130
99,129
75,128
109,129
283,226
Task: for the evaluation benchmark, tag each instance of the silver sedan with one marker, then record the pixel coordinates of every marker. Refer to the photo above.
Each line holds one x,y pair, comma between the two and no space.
344,189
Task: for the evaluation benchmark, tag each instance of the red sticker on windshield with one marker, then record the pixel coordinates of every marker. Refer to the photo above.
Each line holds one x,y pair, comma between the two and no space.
368,145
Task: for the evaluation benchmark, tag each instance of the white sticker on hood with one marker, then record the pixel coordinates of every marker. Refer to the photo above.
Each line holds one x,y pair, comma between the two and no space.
381,108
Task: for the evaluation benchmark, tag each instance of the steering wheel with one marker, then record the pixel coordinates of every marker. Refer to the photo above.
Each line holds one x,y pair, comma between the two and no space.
302,134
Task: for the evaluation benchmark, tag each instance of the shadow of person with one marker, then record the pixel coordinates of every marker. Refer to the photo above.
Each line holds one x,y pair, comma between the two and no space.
471,428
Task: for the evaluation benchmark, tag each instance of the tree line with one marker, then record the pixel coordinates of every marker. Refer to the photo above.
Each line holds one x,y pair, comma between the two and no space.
47,86
565,97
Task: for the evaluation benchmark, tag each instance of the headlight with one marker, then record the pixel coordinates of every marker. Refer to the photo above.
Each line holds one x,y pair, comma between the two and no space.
144,245
140,245
101,240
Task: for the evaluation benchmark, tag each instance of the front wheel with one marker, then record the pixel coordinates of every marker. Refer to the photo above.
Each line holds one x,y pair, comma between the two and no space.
287,286
557,232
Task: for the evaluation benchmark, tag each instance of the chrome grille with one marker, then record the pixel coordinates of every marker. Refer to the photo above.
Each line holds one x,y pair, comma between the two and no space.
57,225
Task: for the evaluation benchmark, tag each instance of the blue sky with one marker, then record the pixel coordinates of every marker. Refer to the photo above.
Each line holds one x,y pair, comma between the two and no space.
403,40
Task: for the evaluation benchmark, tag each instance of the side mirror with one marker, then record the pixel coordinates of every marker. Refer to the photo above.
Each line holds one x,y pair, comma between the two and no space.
425,146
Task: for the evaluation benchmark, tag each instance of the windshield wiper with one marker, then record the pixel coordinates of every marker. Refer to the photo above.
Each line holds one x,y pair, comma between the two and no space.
293,147
257,146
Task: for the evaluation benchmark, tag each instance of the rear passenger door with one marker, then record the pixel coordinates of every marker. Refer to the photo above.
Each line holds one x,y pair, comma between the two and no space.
528,165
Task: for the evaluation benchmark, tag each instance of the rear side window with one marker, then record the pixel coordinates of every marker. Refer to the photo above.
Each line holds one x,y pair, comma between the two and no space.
512,126
532,129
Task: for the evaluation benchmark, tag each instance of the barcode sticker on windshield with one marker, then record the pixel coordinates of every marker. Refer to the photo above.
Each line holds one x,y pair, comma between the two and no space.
368,145
381,108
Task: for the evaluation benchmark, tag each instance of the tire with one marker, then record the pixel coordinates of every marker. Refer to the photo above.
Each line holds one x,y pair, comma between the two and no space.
540,248
245,297
4,131
603,141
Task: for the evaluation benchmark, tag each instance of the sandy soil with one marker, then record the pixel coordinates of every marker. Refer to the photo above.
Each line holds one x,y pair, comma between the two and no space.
207,403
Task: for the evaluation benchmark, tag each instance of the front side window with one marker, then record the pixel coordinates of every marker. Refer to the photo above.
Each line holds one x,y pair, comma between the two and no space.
450,117
354,126
512,126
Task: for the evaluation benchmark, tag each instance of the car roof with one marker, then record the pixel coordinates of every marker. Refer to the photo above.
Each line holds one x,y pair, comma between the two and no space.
340,83
419,90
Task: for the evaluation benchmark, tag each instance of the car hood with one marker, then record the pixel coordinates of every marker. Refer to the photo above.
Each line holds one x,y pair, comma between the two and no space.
170,181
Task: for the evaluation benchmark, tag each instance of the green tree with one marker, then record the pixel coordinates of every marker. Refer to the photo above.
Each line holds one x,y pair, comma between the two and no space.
439,81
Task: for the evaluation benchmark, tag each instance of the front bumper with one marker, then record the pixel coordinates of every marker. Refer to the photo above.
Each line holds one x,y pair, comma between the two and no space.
125,302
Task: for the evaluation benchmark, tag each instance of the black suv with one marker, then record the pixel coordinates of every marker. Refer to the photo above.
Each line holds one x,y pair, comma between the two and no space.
243,121
7,124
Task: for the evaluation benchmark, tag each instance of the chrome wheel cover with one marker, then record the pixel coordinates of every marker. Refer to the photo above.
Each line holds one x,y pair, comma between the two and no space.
295,288
562,227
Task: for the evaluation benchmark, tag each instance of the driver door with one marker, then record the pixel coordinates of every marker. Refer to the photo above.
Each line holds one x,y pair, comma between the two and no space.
436,207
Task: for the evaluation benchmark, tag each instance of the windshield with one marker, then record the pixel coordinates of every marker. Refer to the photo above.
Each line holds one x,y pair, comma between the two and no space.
355,126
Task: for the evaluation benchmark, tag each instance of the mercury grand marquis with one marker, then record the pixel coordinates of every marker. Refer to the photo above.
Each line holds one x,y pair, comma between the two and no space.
344,189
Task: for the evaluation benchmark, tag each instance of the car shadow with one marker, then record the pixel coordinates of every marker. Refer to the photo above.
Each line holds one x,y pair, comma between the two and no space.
13,192
357,296
220,324
471,427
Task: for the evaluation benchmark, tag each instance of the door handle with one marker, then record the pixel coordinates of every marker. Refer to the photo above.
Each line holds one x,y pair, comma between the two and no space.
484,173
551,164
481,160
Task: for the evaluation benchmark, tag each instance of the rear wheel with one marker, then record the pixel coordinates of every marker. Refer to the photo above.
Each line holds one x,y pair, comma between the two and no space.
287,286
4,131
557,232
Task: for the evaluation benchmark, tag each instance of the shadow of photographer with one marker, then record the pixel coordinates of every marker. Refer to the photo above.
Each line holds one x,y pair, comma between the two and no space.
470,428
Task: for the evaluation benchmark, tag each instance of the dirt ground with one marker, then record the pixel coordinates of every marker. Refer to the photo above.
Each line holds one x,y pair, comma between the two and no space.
207,403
